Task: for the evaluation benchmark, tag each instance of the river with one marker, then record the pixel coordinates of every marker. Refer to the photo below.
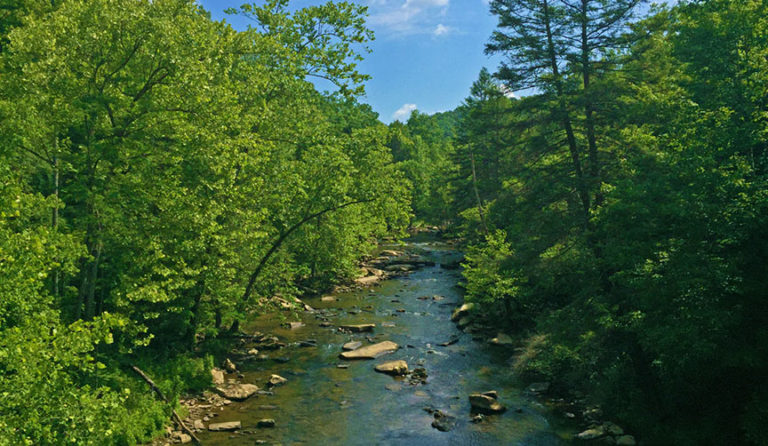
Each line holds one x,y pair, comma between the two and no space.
322,404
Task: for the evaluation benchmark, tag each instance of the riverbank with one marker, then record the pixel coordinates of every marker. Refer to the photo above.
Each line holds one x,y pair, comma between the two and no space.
329,400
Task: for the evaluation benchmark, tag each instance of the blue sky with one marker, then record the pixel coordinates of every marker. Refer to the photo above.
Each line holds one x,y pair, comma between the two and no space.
426,54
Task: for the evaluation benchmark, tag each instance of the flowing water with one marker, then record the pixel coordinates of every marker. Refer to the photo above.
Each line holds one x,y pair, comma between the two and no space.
322,404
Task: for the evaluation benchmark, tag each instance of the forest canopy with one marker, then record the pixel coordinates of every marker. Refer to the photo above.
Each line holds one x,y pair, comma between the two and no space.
165,177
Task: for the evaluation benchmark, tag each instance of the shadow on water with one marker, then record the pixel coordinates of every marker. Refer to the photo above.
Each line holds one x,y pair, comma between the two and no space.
322,404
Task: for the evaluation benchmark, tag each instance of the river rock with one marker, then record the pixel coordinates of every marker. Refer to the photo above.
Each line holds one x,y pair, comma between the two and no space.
228,426
199,425
443,422
371,351
391,253
360,328
484,403
462,311
502,339
401,268
353,345
180,437
591,434
276,380
328,299
217,375
464,322
238,392
266,422
368,280
396,368
626,440
229,366
294,325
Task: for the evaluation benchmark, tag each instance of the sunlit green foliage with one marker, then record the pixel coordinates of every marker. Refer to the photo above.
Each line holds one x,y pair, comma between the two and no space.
163,176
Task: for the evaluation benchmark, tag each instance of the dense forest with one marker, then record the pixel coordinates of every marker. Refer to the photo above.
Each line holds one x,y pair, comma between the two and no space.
163,176
160,175
616,213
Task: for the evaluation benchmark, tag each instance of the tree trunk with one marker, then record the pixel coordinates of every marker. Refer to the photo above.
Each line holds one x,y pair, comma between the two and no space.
477,194
565,119
594,163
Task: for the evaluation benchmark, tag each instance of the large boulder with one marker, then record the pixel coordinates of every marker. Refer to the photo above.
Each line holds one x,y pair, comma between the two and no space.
396,368
371,351
485,403
237,392
462,311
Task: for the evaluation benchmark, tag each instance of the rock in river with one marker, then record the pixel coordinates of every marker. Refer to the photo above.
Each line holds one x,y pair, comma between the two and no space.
359,328
396,368
228,426
485,403
462,311
266,422
276,380
353,345
229,366
443,422
591,434
371,351
217,375
238,392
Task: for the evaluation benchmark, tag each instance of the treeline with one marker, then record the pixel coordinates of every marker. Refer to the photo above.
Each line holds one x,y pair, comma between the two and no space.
618,212
161,177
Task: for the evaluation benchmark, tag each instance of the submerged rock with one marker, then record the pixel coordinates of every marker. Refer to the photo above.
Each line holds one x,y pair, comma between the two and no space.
371,351
352,345
485,403
443,422
396,368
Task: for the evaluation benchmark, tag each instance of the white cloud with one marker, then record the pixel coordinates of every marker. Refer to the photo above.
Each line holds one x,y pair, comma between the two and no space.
406,17
404,112
507,92
441,29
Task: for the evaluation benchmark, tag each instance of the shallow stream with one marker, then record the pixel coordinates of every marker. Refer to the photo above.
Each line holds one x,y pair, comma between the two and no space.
322,404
